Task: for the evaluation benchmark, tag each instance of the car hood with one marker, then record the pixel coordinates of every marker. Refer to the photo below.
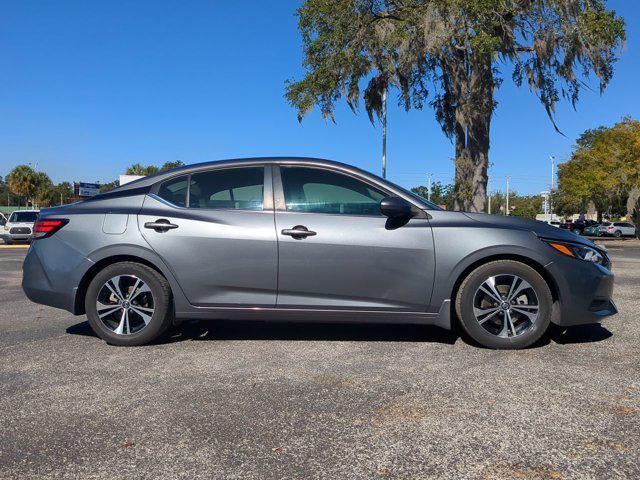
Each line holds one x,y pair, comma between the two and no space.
541,229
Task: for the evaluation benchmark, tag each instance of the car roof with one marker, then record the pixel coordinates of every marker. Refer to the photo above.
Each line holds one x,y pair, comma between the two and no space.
237,162
25,211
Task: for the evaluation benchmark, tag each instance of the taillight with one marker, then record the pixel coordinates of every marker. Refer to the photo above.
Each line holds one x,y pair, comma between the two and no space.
48,226
610,228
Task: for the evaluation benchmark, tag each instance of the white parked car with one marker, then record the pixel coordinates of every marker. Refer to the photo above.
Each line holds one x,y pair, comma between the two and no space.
19,227
616,229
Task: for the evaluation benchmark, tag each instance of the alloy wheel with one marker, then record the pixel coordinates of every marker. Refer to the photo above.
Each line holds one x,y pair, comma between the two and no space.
506,306
125,304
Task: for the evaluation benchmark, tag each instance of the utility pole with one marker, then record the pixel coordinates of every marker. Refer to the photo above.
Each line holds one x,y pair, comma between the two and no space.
507,210
429,192
384,133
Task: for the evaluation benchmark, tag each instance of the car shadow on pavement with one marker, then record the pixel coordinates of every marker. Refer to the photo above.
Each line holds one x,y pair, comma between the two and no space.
580,334
256,330
216,330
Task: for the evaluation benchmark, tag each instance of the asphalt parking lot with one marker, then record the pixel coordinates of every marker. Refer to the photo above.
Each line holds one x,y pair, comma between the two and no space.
255,400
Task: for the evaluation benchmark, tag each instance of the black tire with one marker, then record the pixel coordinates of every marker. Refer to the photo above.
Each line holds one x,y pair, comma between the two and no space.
465,303
162,316
8,242
617,234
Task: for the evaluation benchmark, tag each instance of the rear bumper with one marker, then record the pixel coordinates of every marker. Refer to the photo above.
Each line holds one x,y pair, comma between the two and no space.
50,277
585,292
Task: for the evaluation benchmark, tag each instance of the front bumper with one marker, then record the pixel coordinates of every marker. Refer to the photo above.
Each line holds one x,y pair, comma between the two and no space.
16,237
585,292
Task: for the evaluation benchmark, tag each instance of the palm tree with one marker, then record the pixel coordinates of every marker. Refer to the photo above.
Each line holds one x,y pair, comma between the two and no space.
23,181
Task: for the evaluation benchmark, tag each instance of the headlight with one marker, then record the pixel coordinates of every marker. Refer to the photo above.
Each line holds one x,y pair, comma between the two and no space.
580,252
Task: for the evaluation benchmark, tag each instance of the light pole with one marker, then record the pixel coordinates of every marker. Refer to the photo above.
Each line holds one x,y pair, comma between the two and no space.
553,175
507,210
384,132
429,175
489,194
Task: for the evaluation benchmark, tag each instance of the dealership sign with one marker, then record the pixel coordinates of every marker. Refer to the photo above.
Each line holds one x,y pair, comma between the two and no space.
87,189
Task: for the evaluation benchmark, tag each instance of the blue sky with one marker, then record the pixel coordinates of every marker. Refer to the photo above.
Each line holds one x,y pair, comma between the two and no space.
88,88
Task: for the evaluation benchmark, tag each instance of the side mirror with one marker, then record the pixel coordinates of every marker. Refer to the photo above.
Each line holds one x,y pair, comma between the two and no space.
396,207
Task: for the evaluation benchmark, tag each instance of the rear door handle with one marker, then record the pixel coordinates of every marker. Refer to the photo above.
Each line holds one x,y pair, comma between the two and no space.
298,232
161,225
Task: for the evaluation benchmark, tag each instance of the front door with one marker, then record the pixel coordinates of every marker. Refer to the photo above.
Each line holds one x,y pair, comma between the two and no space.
215,231
337,251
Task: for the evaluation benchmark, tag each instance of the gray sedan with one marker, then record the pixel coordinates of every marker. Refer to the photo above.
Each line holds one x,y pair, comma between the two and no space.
300,239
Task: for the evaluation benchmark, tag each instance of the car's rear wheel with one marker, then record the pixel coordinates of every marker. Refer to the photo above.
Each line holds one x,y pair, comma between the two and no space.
617,234
504,304
129,304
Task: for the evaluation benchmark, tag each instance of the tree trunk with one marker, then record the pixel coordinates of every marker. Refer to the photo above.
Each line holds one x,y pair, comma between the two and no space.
473,121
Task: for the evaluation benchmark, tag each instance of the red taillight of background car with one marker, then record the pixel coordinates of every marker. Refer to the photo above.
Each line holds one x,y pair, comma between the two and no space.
610,227
48,226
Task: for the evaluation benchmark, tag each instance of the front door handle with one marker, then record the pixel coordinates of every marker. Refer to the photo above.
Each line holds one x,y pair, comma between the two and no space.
298,232
161,225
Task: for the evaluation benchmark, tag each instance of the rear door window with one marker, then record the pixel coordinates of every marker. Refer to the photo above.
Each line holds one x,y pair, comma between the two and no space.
229,189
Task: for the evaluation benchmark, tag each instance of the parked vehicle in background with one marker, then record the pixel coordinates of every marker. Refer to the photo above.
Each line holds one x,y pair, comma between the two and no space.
19,227
578,226
616,229
554,223
591,230
301,239
3,219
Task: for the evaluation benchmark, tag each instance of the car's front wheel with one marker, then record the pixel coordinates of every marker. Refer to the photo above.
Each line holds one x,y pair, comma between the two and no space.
129,304
504,304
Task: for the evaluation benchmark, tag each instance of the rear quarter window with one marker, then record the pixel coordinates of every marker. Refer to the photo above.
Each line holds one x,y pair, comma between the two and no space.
175,191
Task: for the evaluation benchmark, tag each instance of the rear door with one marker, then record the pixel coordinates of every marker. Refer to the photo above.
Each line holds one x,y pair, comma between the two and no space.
215,230
350,257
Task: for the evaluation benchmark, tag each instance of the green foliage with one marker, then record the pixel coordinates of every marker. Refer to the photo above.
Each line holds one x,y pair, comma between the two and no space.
525,206
170,165
604,167
50,195
137,169
447,54
25,182
105,187
441,195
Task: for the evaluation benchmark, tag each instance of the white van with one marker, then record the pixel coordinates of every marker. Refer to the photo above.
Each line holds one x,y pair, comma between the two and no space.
19,227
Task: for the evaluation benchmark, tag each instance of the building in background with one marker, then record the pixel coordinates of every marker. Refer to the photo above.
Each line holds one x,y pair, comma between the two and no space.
124,179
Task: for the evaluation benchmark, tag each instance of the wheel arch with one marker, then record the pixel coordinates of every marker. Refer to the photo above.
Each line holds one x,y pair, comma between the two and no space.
538,267
106,258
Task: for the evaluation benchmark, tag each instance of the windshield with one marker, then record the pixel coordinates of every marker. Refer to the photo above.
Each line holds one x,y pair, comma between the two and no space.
23,217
